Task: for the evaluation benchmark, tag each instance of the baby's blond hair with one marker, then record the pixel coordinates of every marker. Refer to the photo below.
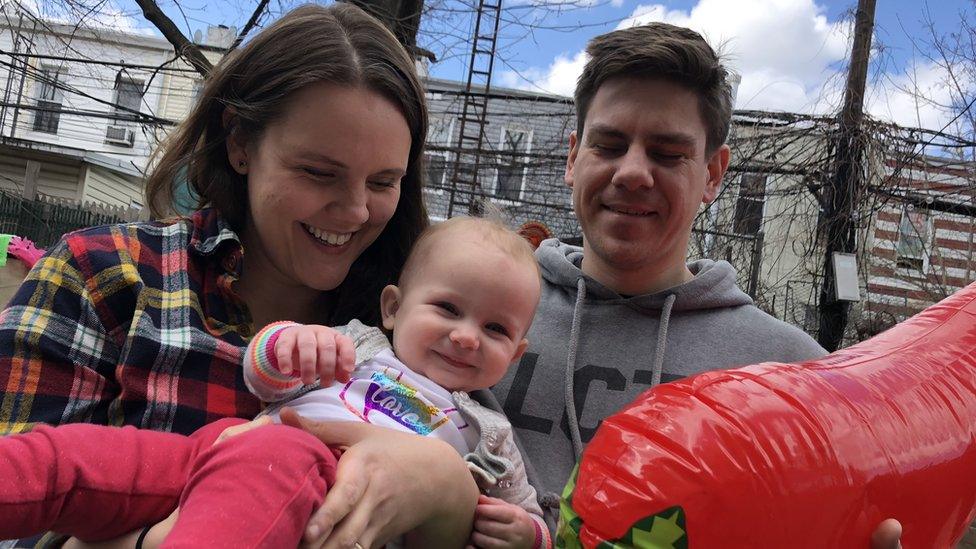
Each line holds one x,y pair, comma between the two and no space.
492,230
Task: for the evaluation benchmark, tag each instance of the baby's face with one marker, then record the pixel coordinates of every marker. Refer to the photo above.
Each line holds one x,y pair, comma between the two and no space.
461,319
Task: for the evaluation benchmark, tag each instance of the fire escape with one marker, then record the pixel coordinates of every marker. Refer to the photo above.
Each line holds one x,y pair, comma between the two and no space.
465,180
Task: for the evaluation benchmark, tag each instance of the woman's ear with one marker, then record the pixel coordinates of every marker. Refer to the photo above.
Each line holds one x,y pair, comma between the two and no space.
389,304
236,150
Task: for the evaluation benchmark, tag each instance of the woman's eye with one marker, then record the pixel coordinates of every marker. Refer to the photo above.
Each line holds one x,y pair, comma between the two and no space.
497,328
446,307
384,183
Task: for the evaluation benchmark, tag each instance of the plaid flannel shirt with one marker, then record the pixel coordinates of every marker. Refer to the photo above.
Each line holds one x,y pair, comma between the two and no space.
132,324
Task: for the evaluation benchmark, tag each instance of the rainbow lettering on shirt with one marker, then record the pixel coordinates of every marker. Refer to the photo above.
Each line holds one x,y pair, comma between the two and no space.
400,402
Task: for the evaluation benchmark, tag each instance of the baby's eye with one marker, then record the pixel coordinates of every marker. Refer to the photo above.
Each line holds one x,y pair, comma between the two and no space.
447,307
497,328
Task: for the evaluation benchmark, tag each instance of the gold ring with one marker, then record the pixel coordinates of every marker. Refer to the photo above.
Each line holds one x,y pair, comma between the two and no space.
358,546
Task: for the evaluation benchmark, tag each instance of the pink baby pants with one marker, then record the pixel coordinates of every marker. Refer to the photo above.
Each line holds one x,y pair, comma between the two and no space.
257,489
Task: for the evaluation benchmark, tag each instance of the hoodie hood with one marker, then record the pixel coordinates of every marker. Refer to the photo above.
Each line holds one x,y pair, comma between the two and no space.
713,287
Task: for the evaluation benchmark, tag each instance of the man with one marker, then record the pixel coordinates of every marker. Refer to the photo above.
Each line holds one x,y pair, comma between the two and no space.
627,311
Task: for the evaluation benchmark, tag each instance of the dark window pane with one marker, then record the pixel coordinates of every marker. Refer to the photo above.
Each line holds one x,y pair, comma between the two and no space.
436,167
747,218
47,121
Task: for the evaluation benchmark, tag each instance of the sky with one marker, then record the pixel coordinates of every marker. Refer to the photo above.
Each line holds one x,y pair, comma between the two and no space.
791,54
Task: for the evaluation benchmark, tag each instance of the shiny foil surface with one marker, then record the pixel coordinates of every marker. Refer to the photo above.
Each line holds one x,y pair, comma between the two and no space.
814,454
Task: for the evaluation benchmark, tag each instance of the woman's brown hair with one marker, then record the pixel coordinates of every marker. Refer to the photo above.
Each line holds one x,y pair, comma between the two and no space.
338,44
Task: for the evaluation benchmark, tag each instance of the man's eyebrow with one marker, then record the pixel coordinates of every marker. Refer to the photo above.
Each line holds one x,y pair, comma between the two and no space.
666,138
604,130
674,138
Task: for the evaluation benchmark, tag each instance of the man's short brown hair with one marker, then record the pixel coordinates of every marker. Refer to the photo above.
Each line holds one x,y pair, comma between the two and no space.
668,52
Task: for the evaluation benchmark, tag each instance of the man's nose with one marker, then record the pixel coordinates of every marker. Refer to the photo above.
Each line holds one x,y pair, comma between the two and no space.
634,170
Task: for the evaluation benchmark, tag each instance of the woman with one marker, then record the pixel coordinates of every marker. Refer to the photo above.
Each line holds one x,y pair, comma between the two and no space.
304,152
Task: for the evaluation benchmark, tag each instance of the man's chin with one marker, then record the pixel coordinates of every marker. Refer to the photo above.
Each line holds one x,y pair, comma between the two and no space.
628,254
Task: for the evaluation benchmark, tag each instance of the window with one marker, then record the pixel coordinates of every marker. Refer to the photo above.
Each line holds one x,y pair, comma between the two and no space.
128,98
128,95
49,98
439,134
748,215
914,239
512,163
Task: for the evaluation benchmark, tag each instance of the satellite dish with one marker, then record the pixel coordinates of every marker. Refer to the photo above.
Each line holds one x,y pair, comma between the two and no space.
197,36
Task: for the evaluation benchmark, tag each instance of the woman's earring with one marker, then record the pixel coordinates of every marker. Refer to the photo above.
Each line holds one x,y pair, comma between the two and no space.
242,163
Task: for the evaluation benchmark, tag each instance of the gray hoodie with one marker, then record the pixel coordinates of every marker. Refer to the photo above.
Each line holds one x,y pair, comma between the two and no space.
617,347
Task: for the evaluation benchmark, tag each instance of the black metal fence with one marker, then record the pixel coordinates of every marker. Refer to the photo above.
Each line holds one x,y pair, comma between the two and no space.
44,220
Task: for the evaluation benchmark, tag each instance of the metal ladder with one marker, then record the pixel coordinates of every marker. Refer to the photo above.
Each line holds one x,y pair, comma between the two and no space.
465,184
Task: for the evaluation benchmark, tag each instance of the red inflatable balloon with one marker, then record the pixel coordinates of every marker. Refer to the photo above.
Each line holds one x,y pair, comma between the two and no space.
794,455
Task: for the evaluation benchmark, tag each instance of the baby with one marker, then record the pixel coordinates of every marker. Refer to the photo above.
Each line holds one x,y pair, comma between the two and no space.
458,318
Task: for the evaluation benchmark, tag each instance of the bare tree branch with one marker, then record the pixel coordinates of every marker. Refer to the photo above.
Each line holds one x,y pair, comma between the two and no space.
184,47
251,23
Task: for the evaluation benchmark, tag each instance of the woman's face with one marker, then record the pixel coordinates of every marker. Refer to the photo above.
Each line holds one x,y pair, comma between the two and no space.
322,183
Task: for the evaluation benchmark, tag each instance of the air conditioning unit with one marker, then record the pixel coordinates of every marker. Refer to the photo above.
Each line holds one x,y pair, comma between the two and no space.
120,135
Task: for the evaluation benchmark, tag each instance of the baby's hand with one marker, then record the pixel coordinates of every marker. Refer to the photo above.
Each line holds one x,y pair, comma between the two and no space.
501,525
314,351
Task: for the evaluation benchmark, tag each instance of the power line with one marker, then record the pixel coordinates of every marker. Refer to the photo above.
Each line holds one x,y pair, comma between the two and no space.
86,61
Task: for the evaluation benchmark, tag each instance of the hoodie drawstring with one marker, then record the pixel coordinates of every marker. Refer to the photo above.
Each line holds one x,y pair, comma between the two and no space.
662,340
657,367
574,431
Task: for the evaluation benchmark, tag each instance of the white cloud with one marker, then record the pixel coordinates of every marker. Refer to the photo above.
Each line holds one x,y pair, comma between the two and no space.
559,78
920,97
790,58
783,50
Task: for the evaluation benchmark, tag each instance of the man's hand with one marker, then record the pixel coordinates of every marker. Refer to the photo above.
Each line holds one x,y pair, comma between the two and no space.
887,536
315,352
501,525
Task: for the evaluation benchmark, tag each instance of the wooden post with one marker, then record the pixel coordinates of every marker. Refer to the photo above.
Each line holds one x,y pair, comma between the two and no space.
30,179
845,187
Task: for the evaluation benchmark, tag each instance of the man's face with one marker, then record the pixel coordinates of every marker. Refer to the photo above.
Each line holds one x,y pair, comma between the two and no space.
639,174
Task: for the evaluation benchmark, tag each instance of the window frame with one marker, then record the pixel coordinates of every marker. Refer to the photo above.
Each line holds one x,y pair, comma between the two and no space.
49,122
741,198
925,242
443,156
519,161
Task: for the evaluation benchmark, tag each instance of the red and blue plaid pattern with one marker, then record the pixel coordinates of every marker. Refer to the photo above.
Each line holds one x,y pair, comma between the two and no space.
133,324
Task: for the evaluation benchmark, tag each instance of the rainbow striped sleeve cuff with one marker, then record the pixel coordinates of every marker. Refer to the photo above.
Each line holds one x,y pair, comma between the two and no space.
261,372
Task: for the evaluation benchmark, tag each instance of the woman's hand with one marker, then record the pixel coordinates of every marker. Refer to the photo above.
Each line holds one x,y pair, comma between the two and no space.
389,483
153,538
